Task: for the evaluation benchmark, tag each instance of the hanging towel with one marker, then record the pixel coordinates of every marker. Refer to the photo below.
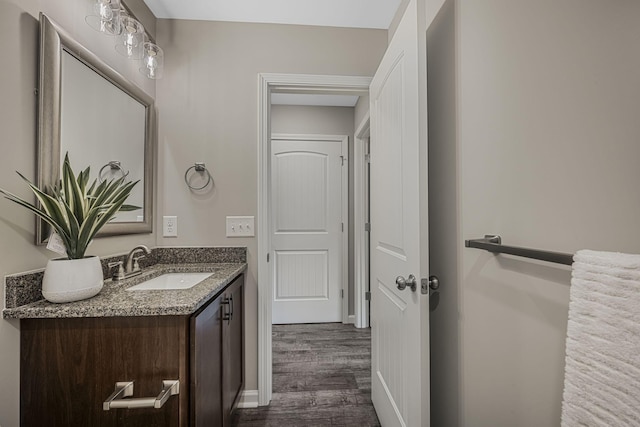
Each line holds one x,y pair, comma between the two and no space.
602,365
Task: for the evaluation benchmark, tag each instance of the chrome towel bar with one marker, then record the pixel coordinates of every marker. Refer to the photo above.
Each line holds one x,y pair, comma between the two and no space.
493,243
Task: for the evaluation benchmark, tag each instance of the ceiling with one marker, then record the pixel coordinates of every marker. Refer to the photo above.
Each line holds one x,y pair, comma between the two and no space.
328,13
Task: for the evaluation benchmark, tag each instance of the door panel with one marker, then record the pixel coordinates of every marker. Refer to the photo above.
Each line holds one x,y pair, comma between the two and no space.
312,265
399,328
300,192
306,204
206,366
233,351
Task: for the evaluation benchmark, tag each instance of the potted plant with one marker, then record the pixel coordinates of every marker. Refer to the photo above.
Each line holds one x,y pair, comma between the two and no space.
76,211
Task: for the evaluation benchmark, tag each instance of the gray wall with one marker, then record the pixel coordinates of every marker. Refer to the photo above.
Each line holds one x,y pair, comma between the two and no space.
444,234
322,121
208,102
533,126
18,121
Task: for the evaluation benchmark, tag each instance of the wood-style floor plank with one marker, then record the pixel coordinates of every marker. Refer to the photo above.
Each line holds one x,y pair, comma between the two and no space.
321,377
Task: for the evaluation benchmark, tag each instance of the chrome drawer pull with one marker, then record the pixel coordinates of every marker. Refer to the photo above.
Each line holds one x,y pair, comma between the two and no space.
125,389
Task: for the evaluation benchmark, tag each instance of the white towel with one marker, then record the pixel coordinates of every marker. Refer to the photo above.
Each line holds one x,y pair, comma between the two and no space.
602,366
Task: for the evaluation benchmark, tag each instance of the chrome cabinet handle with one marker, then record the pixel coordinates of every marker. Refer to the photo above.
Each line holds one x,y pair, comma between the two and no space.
125,389
409,281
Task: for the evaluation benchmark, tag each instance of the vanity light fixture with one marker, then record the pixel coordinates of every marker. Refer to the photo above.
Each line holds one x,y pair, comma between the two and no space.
133,42
152,61
104,16
131,39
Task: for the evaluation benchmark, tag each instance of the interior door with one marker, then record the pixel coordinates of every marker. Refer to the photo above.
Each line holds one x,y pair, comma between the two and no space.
399,318
306,204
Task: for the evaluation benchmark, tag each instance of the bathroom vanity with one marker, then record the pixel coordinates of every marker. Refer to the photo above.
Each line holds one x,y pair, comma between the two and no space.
78,359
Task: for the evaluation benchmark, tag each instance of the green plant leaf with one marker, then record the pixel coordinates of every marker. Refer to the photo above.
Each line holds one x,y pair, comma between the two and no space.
77,212
129,208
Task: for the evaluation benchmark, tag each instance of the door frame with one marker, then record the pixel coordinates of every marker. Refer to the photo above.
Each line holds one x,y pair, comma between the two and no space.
268,83
344,211
360,188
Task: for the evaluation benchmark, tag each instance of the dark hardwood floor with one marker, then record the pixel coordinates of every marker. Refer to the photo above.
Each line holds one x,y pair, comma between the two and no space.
321,377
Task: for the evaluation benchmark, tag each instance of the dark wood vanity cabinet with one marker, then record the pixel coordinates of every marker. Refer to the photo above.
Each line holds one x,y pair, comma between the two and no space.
69,366
217,355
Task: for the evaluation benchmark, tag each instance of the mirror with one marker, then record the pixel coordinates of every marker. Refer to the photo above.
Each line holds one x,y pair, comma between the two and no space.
100,118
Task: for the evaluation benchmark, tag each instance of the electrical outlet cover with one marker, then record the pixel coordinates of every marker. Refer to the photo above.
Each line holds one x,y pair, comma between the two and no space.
170,226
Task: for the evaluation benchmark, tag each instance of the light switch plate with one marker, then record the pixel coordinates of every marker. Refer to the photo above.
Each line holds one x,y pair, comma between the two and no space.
240,226
170,226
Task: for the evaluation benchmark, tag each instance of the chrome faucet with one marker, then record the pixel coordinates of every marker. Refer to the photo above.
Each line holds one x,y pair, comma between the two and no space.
131,268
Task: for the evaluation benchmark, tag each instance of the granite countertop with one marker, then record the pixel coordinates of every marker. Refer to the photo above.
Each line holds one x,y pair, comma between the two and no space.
114,300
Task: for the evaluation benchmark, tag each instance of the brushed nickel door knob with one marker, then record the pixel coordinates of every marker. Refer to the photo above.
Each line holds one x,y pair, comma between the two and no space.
410,281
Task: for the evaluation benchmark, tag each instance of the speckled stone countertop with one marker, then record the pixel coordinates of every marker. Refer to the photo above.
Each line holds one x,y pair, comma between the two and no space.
114,299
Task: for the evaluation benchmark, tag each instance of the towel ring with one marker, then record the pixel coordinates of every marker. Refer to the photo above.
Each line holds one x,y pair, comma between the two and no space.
198,167
115,166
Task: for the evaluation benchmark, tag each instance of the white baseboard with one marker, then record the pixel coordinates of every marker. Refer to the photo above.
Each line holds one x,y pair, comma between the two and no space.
249,399
351,319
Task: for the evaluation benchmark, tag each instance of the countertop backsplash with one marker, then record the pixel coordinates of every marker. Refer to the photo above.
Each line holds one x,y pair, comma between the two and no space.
25,288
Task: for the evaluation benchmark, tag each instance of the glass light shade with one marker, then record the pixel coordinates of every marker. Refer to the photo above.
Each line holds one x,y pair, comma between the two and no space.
104,16
152,61
131,39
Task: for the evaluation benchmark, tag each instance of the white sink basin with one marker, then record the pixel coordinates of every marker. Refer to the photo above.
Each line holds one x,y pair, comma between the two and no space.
171,281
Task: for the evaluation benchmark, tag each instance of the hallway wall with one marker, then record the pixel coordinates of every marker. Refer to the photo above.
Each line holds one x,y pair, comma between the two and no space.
534,108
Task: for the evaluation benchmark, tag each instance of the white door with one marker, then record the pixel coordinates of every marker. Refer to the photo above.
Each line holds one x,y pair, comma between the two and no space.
307,229
399,318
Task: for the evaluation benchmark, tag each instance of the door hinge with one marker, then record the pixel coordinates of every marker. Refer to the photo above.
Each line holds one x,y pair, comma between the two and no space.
341,293
342,224
367,158
267,256
367,296
367,226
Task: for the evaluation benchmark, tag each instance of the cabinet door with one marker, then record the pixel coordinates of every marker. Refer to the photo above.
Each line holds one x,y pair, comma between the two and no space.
233,354
206,366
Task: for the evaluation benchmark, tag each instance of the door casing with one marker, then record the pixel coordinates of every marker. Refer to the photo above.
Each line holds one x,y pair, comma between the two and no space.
268,83
360,235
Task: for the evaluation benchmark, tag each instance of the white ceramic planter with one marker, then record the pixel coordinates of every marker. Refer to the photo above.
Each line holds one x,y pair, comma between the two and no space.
67,280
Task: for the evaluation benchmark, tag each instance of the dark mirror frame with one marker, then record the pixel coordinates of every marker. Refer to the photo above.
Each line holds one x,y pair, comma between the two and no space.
53,41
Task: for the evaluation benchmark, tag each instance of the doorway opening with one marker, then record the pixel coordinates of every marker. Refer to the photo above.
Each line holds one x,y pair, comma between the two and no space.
288,84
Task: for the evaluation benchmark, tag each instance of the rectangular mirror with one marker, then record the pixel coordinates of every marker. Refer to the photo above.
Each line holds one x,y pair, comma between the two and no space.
100,118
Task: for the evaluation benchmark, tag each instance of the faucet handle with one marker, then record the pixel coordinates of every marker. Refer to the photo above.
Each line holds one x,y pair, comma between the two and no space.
119,275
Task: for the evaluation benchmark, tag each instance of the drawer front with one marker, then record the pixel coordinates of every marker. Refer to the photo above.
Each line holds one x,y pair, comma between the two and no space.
70,366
